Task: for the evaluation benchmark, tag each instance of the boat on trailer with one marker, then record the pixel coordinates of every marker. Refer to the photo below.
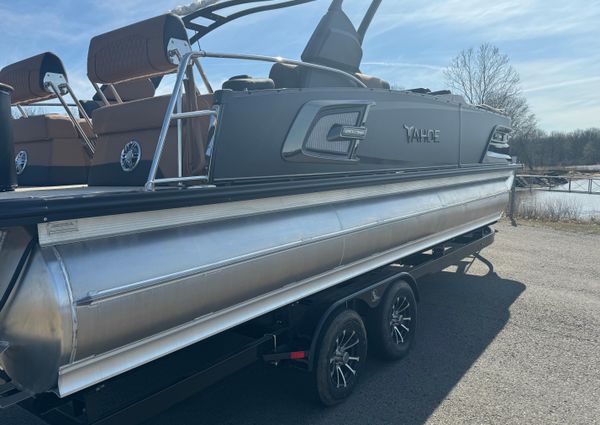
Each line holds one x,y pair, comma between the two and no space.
151,223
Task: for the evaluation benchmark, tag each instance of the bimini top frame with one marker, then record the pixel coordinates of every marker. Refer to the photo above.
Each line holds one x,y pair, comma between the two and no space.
209,13
219,19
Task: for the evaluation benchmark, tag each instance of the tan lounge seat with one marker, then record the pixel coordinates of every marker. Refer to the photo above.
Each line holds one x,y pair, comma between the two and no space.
49,150
128,132
140,121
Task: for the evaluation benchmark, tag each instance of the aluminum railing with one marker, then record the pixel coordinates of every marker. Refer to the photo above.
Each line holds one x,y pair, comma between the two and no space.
58,91
573,184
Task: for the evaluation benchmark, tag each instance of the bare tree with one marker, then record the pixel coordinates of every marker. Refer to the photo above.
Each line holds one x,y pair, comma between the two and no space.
485,76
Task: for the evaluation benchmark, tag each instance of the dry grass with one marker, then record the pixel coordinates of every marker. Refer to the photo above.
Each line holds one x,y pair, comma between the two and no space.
548,210
586,227
558,214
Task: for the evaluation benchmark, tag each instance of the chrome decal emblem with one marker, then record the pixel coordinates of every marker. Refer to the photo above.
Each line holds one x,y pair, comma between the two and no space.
130,156
422,135
21,162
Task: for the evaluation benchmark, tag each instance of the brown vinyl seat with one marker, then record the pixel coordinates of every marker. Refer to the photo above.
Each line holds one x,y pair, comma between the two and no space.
140,121
49,150
128,132
293,76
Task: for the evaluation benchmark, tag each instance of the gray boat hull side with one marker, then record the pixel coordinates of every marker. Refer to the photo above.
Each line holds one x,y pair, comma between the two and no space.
128,288
456,133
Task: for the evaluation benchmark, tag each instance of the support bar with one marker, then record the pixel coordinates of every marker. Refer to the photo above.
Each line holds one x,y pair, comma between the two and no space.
90,146
272,59
366,22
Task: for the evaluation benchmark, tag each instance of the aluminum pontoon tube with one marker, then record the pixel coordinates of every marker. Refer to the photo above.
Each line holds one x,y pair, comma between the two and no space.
8,175
102,295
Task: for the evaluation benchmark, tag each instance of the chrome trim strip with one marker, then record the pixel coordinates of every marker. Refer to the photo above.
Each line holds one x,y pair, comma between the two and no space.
67,231
93,370
480,168
194,114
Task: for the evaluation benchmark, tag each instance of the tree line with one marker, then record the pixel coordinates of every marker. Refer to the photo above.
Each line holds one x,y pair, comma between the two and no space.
484,75
540,149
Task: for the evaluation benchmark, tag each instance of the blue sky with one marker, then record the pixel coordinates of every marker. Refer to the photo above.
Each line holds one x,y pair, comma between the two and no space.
555,45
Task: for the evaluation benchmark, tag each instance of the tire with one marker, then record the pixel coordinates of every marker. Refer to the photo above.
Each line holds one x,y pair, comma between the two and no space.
341,355
393,322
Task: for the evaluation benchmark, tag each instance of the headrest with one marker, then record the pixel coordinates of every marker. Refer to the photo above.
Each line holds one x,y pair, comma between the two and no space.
27,77
135,51
335,42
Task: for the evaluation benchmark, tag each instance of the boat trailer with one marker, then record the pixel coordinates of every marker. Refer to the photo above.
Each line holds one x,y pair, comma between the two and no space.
289,336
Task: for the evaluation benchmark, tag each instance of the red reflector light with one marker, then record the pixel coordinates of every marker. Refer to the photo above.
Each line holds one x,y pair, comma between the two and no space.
297,355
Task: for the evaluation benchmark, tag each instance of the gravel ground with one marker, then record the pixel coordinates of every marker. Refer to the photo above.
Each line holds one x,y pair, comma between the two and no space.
520,345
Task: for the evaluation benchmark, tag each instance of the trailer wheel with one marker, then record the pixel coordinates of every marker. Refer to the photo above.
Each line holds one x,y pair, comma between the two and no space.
394,321
341,354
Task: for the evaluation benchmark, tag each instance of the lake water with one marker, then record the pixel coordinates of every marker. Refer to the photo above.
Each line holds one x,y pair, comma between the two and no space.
559,202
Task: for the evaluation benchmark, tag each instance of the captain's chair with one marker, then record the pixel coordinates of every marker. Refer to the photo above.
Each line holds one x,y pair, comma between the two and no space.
128,132
334,43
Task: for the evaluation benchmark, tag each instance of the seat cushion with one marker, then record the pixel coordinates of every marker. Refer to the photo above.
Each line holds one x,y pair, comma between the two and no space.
60,161
245,82
373,82
291,76
44,127
285,76
50,150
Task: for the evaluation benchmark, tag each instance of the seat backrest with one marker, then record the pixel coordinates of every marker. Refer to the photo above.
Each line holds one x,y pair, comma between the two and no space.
28,77
142,51
334,43
128,90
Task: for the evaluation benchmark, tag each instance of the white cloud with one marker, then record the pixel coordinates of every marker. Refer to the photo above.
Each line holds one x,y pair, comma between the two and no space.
574,82
503,20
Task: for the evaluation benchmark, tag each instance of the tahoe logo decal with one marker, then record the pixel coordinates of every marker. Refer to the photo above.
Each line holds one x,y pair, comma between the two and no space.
422,135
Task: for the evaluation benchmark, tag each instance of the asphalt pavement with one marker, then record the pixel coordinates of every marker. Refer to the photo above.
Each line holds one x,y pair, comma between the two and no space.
519,344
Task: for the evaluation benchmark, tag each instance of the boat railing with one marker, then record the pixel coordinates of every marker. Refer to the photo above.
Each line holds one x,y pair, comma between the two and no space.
559,183
175,112
59,86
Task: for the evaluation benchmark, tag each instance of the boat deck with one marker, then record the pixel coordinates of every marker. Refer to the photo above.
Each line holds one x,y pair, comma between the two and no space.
33,205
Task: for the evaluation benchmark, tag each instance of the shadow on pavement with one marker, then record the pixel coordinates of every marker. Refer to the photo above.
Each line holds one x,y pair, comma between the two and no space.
459,316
